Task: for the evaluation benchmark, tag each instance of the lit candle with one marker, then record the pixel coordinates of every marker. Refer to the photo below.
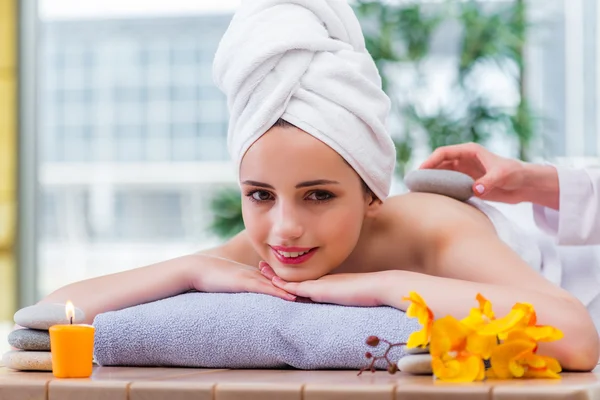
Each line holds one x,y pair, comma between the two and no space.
72,348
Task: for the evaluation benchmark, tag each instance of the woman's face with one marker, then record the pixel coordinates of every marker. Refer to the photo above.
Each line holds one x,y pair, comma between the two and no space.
303,205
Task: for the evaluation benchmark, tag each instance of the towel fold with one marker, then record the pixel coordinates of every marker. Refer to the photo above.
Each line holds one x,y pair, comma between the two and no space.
305,61
246,330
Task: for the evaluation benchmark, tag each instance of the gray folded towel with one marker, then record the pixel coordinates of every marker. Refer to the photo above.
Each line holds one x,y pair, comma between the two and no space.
246,330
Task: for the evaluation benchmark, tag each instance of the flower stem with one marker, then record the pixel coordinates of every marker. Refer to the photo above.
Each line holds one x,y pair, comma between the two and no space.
374,359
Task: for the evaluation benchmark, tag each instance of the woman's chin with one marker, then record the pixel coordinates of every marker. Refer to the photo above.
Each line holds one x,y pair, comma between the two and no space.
298,272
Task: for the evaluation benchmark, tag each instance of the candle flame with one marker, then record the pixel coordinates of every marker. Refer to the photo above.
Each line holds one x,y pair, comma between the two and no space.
70,310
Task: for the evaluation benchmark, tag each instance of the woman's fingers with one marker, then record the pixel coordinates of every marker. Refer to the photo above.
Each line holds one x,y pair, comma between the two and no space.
269,274
270,288
266,270
300,289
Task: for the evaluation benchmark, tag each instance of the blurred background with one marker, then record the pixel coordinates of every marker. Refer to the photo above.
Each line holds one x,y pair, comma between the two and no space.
113,136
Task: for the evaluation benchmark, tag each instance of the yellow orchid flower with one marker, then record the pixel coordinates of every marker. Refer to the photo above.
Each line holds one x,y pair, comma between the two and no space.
504,358
516,359
461,368
538,333
518,334
451,360
482,345
486,307
520,316
474,320
458,347
550,369
543,333
418,309
530,318
533,365
448,335
478,317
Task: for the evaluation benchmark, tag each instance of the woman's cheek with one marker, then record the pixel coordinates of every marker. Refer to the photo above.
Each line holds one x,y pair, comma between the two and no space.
345,229
257,231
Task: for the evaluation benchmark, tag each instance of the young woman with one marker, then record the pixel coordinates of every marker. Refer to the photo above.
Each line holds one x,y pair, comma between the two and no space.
307,132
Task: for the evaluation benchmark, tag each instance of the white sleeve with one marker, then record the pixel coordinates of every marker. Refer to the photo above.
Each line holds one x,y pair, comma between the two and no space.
546,219
578,222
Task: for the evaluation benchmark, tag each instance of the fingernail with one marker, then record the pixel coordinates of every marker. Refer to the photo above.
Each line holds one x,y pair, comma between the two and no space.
278,280
479,188
292,297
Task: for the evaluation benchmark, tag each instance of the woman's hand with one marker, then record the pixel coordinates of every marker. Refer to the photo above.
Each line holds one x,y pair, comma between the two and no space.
219,275
344,289
496,178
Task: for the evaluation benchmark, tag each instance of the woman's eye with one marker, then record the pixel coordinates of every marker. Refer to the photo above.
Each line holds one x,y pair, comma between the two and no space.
320,196
261,195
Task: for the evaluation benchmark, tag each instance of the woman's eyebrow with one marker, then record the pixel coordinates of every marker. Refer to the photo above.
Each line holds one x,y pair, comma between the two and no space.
315,182
259,184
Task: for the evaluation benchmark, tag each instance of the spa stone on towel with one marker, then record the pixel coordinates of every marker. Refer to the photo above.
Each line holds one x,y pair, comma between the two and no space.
43,316
445,182
28,360
29,339
416,364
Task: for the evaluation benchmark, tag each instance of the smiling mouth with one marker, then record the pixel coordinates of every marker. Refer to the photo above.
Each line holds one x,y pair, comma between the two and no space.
294,257
292,254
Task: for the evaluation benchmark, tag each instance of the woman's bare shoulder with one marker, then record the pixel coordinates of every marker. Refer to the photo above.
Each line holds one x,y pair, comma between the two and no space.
427,211
417,225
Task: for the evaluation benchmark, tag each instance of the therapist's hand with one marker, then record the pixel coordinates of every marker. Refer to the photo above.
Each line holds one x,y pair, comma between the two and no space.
496,178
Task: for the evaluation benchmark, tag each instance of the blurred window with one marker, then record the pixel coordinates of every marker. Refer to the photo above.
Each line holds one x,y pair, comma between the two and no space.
131,129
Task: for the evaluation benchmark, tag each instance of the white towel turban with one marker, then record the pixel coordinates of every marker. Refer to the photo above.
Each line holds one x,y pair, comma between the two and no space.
305,61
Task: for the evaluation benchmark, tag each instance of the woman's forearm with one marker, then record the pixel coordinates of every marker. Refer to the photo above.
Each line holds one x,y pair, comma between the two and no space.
541,185
126,289
578,350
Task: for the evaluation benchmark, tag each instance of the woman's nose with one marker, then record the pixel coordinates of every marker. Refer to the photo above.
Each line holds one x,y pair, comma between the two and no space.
287,224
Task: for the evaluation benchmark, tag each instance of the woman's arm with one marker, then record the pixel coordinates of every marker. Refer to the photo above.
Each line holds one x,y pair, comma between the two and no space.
126,289
464,255
230,268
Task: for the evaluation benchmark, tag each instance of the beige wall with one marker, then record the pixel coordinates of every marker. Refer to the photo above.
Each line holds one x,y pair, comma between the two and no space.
8,157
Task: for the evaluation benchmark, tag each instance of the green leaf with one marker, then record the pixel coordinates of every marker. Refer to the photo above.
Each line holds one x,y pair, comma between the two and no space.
226,208
492,34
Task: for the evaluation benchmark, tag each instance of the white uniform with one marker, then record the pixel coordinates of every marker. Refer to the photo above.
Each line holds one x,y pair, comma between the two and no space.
577,224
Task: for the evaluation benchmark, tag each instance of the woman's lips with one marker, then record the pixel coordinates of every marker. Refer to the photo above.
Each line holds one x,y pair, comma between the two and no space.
294,260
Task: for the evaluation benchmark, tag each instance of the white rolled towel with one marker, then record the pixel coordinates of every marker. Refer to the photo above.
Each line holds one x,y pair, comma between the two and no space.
305,61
